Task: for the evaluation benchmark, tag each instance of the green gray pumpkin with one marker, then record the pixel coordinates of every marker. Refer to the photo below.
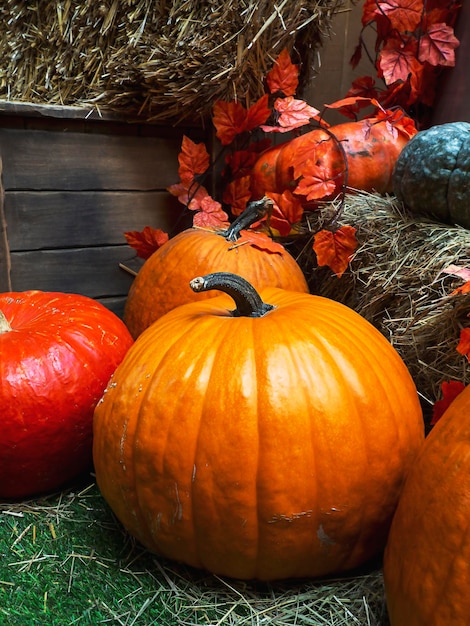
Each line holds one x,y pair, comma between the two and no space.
432,173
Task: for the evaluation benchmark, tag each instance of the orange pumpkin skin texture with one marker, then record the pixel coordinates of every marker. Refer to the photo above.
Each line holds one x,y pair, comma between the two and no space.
57,353
163,281
259,447
370,158
427,559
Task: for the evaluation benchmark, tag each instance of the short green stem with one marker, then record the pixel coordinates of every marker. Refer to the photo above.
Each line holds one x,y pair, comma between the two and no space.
4,325
247,300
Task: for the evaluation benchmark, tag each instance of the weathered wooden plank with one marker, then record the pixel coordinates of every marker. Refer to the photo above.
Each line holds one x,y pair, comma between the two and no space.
5,283
63,219
116,305
94,272
68,161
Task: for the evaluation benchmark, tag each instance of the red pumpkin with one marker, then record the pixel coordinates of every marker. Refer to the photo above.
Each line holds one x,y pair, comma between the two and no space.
163,282
58,352
370,148
427,558
267,441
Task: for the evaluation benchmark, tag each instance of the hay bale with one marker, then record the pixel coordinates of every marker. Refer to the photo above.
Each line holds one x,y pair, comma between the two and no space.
164,61
396,281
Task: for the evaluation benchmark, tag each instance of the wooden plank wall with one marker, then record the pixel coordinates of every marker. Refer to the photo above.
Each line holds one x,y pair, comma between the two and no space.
71,189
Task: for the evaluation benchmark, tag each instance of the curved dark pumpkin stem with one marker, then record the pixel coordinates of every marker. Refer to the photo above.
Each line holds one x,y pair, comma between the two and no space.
247,299
4,325
255,210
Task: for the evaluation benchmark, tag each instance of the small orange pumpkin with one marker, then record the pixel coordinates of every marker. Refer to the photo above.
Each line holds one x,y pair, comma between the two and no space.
270,441
163,282
366,150
427,558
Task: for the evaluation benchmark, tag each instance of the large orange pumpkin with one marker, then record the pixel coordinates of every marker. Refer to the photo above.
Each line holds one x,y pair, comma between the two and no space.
270,441
427,559
163,282
57,352
362,154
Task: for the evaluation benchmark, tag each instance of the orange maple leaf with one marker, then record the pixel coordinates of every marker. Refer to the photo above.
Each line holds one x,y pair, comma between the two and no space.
229,120
437,46
260,241
463,346
211,214
287,210
284,75
257,114
193,160
145,242
450,390
294,114
335,249
316,181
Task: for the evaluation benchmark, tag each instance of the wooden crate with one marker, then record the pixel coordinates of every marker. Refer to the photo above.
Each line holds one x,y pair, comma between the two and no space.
72,186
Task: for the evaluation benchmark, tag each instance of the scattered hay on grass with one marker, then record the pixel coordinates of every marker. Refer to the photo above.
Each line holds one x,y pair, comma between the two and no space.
167,60
67,555
396,281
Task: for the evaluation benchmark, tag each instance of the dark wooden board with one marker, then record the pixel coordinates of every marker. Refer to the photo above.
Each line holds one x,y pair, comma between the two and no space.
71,161
63,219
94,272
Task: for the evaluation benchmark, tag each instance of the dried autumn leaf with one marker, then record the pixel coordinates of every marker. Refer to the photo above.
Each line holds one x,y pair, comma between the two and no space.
211,215
193,160
294,114
260,241
335,249
450,390
284,75
257,114
145,242
463,346
316,181
229,120
437,46
237,194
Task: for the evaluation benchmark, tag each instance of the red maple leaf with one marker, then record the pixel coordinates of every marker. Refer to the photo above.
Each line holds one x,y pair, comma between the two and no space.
284,75
211,215
294,114
437,46
450,390
463,346
193,160
260,241
237,193
257,114
229,119
189,195
398,61
335,249
145,242
404,15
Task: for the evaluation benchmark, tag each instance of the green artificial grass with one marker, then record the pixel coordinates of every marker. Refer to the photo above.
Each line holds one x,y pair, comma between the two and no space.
66,560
